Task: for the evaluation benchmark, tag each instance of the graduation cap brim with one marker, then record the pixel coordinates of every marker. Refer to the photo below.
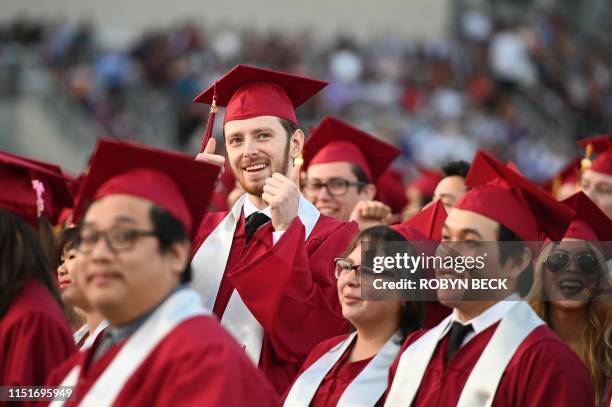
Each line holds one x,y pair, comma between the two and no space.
298,88
195,180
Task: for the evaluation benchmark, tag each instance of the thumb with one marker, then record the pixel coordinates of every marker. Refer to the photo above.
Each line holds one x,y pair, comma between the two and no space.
295,174
210,146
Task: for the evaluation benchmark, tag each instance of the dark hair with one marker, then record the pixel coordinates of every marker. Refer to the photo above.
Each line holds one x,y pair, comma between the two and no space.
288,125
514,252
458,168
46,237
68,239
169,231
411,313
21,258
361,176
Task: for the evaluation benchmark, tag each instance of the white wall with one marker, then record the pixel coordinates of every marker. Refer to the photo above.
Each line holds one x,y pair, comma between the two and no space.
363,18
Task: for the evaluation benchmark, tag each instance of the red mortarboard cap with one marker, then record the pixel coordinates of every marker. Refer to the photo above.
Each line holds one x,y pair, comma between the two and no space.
589,222
336,141
500,194
424,228
601,145
390,190
57,191
249,92
31,188
427,181
428,222
567,175
173,181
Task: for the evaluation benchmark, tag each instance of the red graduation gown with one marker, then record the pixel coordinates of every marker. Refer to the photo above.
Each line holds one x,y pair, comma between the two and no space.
197,364
34,337
542,372
338,378
289,287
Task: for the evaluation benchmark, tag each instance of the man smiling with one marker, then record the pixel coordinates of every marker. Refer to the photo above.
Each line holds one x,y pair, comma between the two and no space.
162,347
266,266
343,164
492,352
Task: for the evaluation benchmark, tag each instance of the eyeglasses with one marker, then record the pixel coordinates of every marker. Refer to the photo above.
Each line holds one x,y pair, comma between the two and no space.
335,187
118,239
587,262
345,266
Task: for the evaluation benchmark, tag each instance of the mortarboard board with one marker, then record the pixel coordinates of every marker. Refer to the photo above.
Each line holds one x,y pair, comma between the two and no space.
601,145
247,92
32,188
173,181
336,141
499,193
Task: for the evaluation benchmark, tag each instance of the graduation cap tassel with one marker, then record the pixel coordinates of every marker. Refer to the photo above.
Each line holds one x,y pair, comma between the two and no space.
585,164
211,120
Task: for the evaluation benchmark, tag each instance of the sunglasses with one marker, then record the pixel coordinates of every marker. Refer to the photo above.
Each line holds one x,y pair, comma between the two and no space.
587,262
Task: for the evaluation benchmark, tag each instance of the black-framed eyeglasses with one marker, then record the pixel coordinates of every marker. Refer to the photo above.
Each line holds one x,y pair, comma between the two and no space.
117,239
587,262
335,187
345,266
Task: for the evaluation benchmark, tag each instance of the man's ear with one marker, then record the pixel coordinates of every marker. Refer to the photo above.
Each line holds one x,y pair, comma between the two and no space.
178,254
369,191
297,143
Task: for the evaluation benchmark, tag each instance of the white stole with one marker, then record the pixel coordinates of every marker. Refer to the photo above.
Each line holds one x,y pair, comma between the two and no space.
78,335
365,390
481,385
180,306
208,267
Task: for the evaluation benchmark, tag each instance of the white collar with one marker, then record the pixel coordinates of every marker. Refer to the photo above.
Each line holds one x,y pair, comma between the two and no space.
250,208
489,316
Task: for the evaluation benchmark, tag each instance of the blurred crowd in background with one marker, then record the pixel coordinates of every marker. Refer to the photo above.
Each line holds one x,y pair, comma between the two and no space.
523,89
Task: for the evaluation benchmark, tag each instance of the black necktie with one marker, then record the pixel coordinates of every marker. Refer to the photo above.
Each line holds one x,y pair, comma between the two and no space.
458,332
253,222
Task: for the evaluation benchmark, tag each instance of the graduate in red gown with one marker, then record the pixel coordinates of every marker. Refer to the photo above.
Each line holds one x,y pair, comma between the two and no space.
265,267
571,291
343,165
352,369
34,334
493,351
162,347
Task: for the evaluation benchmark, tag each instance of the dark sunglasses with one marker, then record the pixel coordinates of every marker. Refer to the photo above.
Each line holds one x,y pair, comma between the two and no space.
587,262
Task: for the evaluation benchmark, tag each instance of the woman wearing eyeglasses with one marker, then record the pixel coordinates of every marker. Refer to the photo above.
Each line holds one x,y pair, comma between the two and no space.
71,294
342,165
352,369
571,291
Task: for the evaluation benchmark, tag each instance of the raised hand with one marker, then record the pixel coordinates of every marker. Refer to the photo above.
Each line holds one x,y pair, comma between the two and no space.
209,155
371,213
283,196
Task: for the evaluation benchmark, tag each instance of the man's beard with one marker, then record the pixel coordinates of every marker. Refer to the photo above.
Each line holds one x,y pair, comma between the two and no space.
257,190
